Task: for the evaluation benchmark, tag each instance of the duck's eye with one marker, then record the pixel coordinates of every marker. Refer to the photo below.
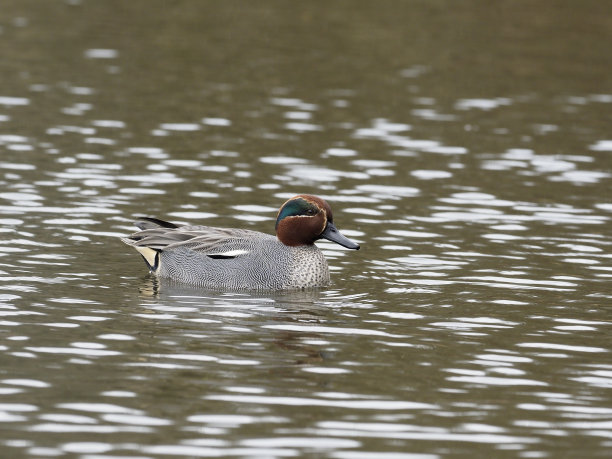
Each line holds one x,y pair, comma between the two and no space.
310,211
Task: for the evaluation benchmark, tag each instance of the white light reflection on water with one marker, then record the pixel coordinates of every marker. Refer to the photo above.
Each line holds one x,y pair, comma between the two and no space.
472,322
407,431
384,405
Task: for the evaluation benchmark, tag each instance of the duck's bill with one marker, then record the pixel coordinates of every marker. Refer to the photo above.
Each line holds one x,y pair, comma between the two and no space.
331,233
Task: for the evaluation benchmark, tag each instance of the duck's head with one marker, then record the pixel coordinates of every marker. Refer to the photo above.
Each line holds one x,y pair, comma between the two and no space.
304,219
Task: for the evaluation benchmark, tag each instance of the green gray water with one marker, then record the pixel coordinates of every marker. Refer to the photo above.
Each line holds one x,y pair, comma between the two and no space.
467,146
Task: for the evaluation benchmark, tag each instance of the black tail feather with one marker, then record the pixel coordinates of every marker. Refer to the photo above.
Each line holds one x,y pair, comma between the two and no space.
144,223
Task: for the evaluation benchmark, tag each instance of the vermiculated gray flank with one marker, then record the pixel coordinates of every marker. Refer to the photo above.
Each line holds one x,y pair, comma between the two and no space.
231,258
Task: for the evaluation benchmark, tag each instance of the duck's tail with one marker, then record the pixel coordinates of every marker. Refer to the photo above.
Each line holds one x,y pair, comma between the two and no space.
151,255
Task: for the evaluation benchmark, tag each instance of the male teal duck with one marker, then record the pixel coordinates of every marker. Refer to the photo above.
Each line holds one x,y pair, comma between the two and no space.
229,258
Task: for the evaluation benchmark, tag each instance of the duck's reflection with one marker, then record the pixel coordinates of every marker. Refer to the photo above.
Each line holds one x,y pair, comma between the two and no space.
235,310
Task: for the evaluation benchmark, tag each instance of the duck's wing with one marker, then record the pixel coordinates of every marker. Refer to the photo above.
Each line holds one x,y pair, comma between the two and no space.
218,243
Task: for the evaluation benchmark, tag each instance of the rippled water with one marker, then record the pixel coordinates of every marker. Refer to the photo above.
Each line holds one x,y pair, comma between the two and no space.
467,148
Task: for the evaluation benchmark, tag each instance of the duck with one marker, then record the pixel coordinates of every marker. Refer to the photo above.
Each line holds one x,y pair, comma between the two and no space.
242,259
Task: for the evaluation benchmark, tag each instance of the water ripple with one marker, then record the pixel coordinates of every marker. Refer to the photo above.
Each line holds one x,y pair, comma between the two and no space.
473,322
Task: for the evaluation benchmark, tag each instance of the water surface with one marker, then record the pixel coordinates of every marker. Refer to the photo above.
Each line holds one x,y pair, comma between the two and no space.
466,148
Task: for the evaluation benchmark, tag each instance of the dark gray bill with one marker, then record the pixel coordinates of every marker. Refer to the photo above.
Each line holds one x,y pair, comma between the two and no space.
331,233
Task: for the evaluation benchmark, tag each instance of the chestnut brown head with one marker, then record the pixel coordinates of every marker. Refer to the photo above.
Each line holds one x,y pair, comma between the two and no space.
304,219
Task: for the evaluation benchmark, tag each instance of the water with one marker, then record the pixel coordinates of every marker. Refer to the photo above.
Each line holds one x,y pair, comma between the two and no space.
467,148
